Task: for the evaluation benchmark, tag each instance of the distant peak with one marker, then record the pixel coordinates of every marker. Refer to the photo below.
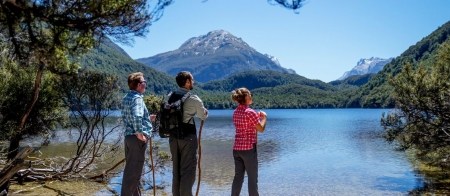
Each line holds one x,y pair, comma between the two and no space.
369,60
364,66
214,40
220,32
219,35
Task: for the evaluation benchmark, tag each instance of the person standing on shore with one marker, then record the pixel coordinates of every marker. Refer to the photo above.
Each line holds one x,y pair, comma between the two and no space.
184,147
246,121
138,127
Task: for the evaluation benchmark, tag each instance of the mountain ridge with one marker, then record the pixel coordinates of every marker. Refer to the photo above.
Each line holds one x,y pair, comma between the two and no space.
215,55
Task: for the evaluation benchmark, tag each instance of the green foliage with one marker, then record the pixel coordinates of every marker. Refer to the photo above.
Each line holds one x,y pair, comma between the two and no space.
295,96
217,100
153,103
90,91
422,118
355,80
17,93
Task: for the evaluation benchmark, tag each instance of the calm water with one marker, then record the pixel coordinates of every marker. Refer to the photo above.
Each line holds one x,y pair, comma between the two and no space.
304,152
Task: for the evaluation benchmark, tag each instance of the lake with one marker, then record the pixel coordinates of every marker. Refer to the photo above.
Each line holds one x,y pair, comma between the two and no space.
303,152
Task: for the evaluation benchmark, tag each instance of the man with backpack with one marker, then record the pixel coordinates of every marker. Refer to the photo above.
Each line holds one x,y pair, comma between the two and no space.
183,146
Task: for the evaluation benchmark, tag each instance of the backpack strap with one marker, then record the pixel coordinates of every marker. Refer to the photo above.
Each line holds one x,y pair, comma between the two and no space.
172,97
187,95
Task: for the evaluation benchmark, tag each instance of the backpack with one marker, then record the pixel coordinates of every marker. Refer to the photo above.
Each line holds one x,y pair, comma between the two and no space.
171,116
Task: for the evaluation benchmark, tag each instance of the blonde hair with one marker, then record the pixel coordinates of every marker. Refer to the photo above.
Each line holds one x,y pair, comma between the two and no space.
134,79
239,95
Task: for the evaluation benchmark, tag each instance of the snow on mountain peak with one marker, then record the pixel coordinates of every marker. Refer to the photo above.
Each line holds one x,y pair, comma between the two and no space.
273,58
365,66
214,40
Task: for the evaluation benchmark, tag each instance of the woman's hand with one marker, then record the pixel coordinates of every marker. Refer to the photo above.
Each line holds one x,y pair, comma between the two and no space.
262,114
261,125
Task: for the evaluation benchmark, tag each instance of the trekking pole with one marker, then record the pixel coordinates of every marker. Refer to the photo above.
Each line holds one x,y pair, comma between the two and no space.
153,168
199,157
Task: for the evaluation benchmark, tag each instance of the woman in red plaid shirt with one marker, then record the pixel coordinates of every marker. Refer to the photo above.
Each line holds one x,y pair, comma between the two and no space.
247,121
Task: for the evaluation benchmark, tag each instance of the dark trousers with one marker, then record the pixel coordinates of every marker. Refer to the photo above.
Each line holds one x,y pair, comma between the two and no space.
245,160
134,163
184,157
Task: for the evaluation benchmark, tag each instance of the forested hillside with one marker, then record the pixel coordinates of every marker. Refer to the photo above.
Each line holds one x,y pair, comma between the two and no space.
377,93
353,81
110,58
271,89
263,78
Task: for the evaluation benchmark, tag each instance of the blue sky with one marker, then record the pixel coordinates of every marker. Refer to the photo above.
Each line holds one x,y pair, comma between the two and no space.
325,39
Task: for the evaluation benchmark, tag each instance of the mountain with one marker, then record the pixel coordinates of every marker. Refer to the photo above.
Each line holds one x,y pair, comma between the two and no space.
365,66
110,58
216,55
377,92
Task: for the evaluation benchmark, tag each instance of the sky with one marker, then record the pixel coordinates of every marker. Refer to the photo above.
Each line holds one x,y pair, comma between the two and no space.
323,40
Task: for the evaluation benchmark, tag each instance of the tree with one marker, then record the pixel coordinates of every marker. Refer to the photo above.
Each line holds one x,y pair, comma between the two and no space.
421,120
90,96
47,35
15,93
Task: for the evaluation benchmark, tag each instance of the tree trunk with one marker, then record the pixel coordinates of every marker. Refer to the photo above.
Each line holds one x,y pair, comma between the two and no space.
13,146
14,166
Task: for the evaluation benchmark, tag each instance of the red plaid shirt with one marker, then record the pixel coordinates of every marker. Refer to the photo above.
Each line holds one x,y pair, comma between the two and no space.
245,119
